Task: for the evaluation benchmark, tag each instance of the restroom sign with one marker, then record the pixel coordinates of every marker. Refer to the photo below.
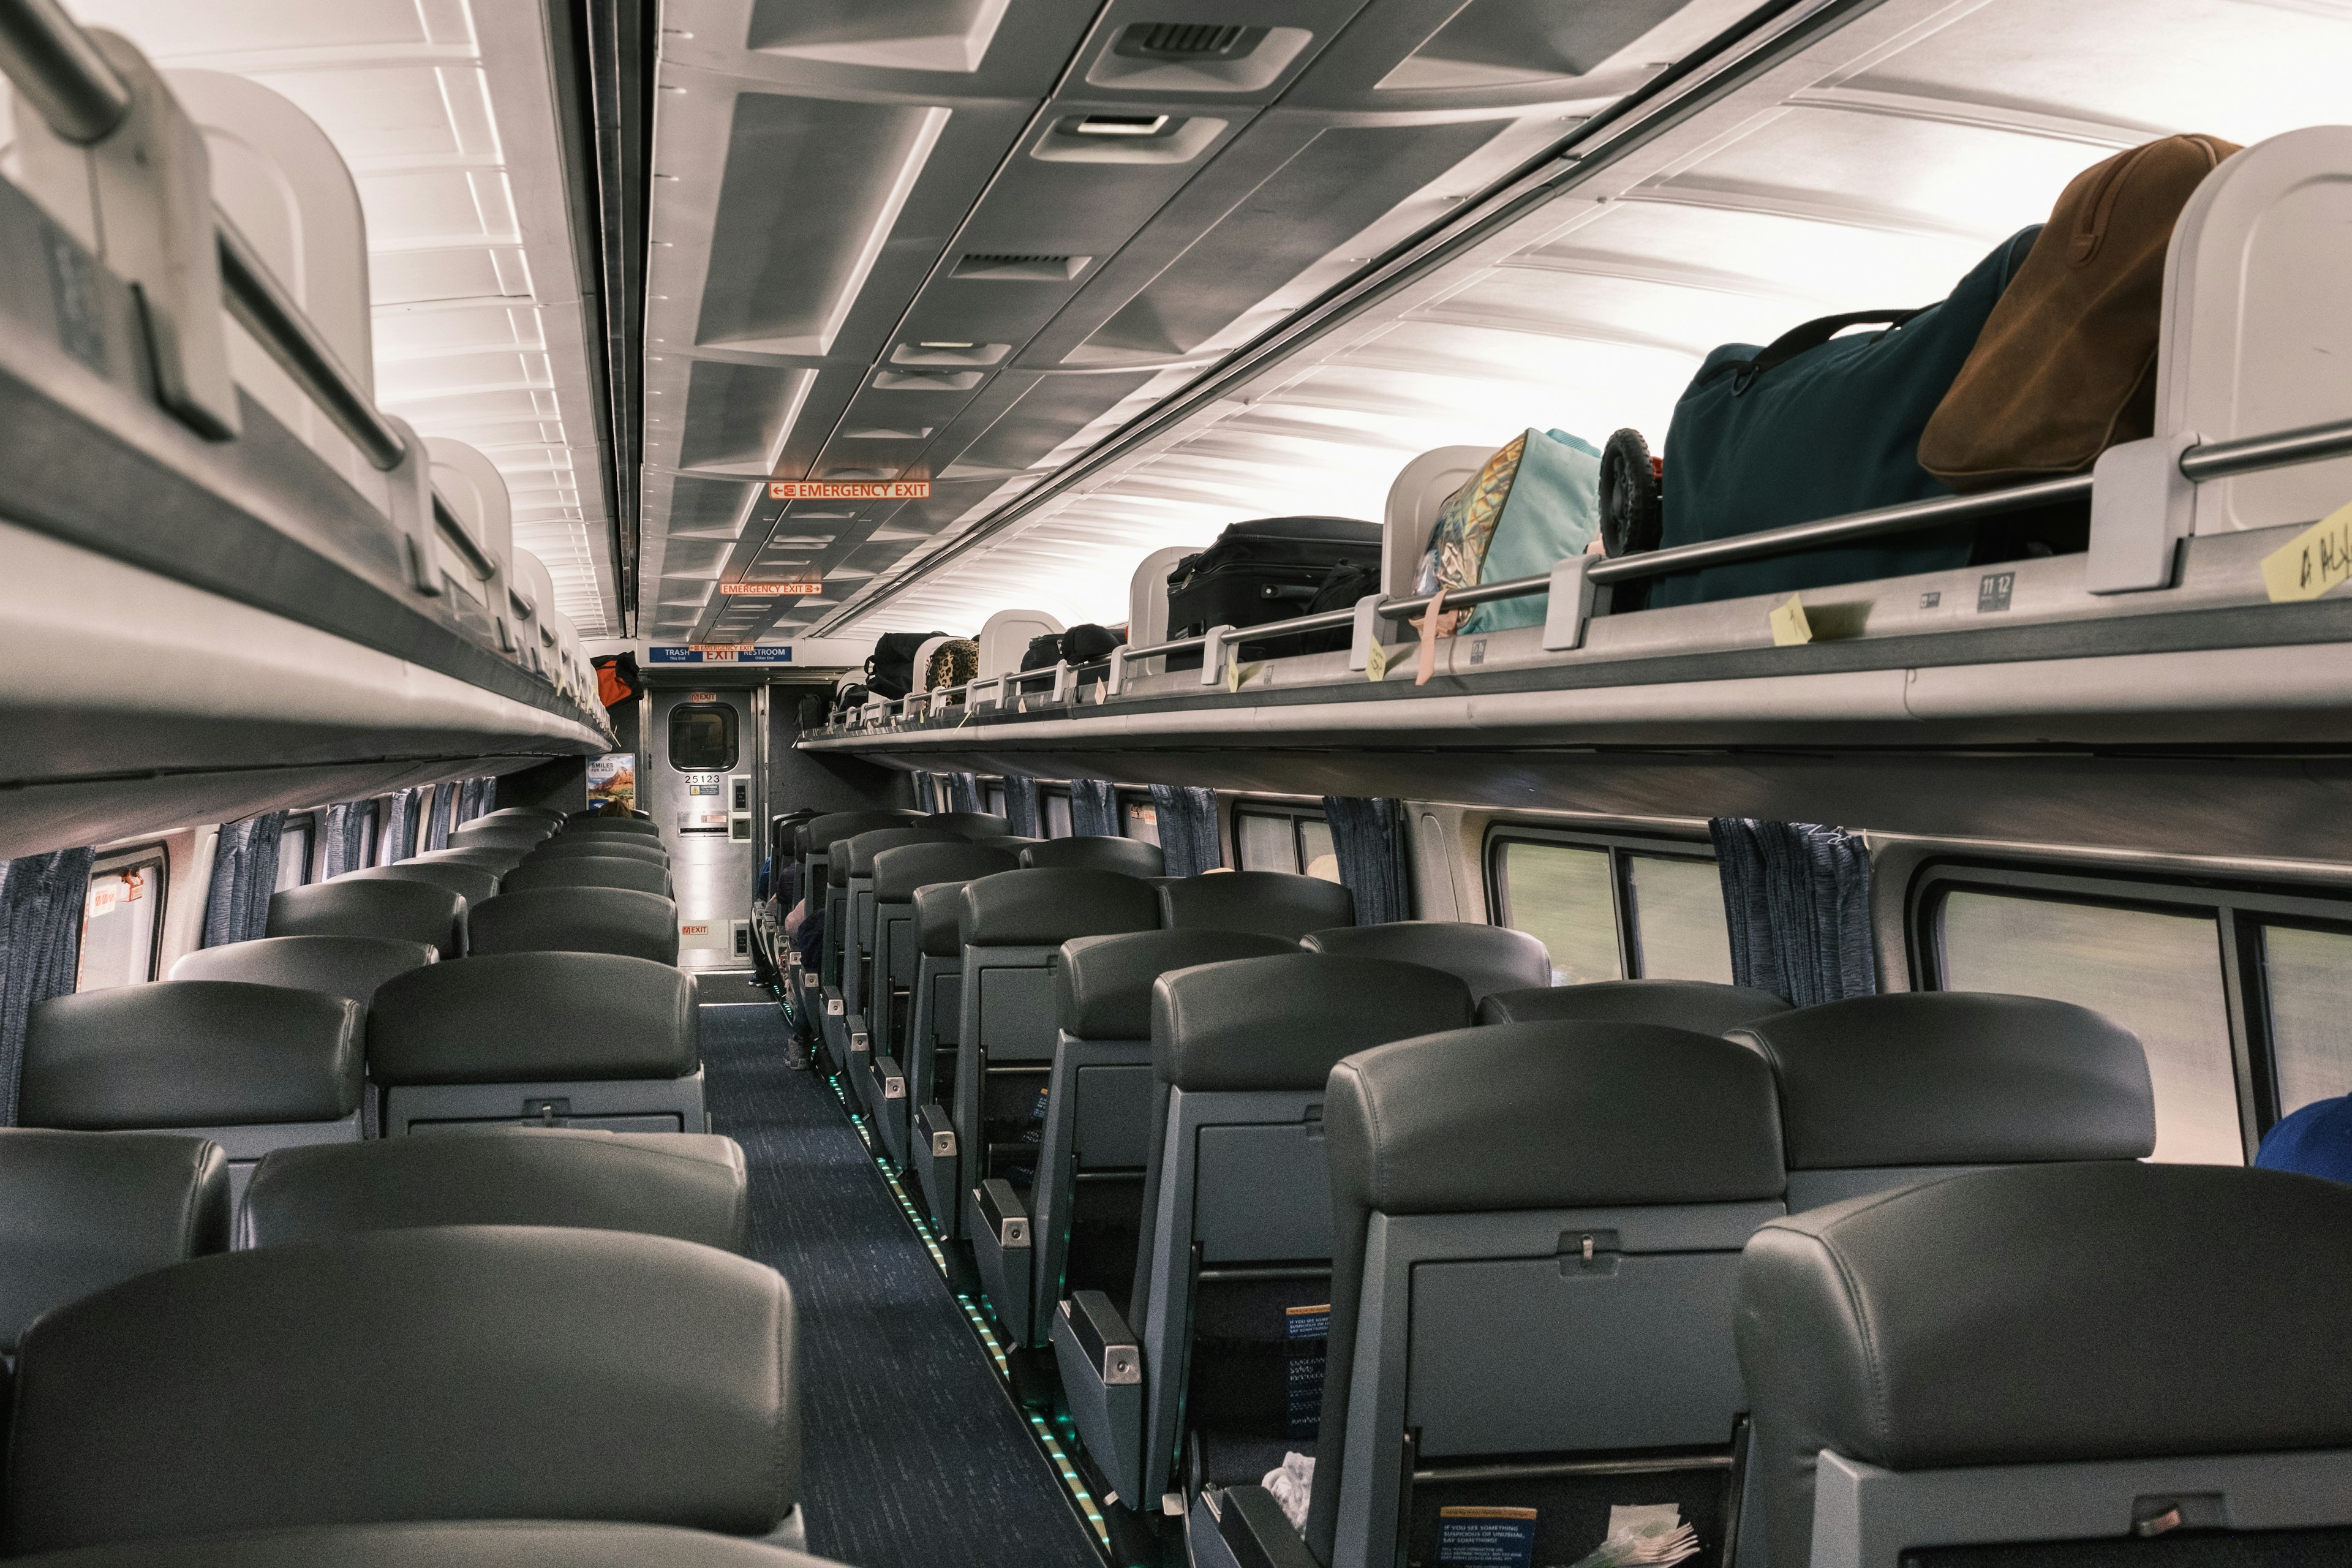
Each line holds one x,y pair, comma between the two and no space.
849,489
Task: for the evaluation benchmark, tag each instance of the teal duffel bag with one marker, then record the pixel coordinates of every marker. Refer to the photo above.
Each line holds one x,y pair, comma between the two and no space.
1817,425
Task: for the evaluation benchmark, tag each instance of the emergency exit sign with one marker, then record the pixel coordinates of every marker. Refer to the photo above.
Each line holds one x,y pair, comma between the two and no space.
849,489
798,587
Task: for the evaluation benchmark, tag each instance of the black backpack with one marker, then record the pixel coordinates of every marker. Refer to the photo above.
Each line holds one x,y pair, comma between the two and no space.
891,671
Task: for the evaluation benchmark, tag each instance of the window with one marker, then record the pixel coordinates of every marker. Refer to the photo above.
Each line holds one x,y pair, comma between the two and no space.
702,737
1055,804
1610,908
294,846
2307,997
992,800
1269,838
122,920
1139,819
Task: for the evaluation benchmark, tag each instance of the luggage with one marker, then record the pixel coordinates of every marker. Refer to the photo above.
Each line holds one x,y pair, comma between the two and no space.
1042,652
1269,570
617,678
1534,503
2066,366
953,663
891,671
1087,643
1815,426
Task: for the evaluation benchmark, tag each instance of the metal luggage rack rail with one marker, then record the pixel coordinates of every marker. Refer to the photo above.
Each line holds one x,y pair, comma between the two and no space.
83,98
1571,583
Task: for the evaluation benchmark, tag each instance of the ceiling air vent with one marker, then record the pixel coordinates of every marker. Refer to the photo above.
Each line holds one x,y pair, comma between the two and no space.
1188,41
999,269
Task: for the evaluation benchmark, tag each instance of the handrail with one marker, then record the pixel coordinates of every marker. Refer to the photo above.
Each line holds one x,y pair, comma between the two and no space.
484,564
53,62
2218,459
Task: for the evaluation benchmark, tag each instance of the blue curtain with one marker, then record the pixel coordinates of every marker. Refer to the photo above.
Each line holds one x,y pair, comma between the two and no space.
396,831
963,792
470,801
489,796
438,823
1368,838
346,835
245,873
1796,899
1023,812
41,900
1188,829
1093,809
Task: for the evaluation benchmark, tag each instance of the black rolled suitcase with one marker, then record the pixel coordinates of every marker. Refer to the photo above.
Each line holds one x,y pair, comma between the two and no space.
1269,570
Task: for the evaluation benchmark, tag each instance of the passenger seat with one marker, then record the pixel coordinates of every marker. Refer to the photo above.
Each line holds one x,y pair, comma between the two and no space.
588,871
251,1068
1090,852
856,857
686,1185
576,920
1704,1006
399,910
351,967
546,1038
1485,958
475,884
499,1543
599,847
1881,1092
1271,904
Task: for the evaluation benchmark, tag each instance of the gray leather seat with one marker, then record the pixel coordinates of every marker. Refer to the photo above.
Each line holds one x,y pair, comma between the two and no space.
825,879
1093,852
497,862
551,1038
529,813
1240,1054
1272,903
2053,1354
472,883
1012,927
687,1185
400,911
576,920
348,966
252,1068
967,824
472,1372
858,960
1485,958
588,871
498,834
1699,1005
1881,1091
82,1210
599,847
500,1543
1469,1173
503,823
601,821
923,1125
1086,1206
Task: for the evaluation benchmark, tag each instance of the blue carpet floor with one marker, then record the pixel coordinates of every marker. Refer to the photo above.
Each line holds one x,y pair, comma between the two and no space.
915,1455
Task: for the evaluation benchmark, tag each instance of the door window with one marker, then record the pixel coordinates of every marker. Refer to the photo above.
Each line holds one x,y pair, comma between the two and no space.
702,737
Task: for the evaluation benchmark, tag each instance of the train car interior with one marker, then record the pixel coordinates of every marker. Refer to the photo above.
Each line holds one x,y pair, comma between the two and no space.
1173,783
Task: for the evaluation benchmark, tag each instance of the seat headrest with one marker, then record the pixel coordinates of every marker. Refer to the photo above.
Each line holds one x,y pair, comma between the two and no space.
1104,986
82,1210
2046,1315
1485,958
1955,1077
601,846
1282,1022
441,1543
346,966
834,826
488,1372
1091,852
968,823
523,1017
499,836
490,825
864,847
938,916
898,872
471,883
495,859
626,827
1560,1115
588,871
400,911
191,1053
1034,908
543,812
1701,1005
577,920
1272,903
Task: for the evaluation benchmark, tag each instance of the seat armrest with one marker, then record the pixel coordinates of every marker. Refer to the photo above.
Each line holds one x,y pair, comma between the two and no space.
889,1076
1251,1529
999,1246
1101,1364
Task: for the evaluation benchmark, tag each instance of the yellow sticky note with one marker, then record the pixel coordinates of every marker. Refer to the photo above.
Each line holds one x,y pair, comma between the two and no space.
1237,674
1376,663
1790,626
2313,561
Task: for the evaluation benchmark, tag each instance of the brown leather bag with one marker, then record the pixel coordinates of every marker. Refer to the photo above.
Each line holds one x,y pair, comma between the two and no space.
2066,366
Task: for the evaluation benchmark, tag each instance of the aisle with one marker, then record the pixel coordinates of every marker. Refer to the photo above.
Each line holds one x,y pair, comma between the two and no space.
914,1455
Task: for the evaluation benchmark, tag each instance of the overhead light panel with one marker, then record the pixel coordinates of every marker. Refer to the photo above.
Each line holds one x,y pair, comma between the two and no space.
1115,124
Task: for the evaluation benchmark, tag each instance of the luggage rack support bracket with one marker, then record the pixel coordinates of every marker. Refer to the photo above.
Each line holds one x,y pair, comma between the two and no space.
1571,606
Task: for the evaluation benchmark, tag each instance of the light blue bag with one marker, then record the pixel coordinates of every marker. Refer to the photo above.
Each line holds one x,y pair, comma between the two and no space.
1534,503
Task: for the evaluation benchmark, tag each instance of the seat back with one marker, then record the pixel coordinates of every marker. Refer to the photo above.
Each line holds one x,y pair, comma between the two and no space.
1564,1290
471,883
348,966
82,1210
1096,852
626,827
827,884
666,1397
1702,1005
498,835
548,814
1878,1092
502,823
1272,903
897,936
396,911
2157,1346
497,862
967,824
605,812
588,871
1237,1168
600,847
1485,958
858,852
578,920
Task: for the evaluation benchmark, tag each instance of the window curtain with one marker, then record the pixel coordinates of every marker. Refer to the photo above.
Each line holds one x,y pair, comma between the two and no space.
469,800
346,832
1368,838
1093,809
1024,813
489,802
437,824
396,835
1796,899
41,901
963,792
1188,829
245,873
